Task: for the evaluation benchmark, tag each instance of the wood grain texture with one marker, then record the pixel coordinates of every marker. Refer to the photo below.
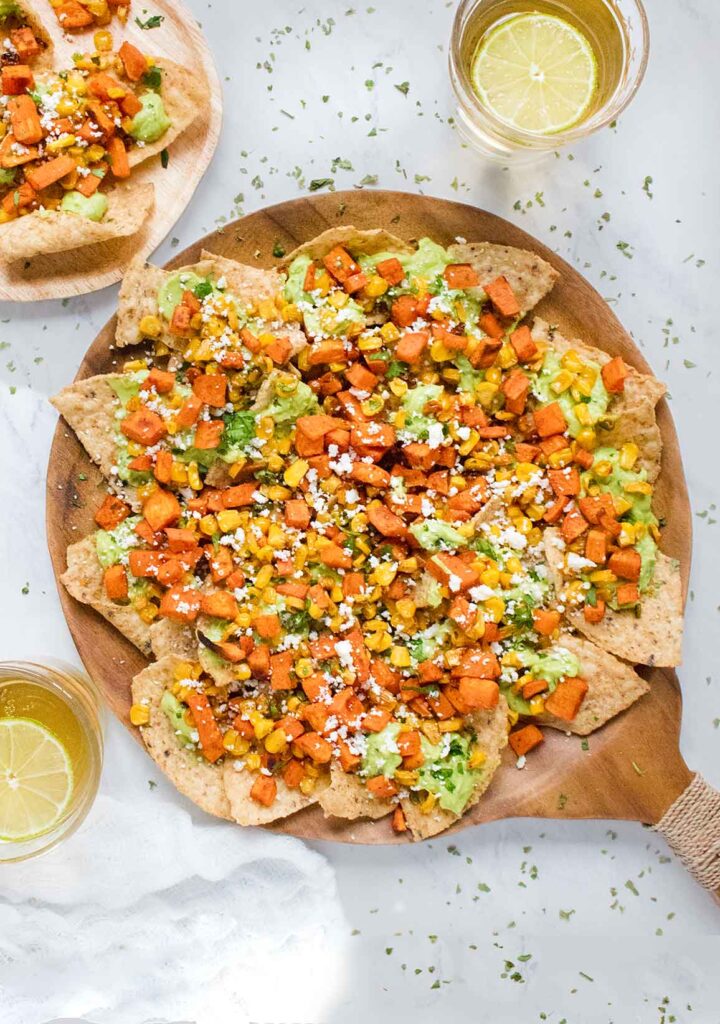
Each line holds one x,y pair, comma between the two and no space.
63,274
633,768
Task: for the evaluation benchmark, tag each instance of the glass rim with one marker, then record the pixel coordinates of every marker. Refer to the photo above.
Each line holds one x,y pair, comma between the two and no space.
626,89
54,674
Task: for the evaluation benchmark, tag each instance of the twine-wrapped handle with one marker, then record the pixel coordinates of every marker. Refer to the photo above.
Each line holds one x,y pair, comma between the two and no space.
691,826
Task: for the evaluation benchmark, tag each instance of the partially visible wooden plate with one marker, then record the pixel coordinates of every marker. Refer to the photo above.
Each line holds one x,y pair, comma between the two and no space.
632,768
178,38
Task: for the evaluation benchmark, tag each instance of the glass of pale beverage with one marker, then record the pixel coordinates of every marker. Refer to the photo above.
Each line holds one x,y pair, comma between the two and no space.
533,75
51,748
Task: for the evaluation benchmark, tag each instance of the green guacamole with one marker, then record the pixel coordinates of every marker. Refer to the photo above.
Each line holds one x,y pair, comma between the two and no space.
597,402
381,755
150,123
92,207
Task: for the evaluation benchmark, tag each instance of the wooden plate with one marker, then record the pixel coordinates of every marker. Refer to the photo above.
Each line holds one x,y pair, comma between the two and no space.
62,274
633,768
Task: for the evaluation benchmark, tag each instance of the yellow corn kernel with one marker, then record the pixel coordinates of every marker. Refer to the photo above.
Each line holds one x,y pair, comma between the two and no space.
276,463
378,642
559,459
571,361
603,576
208,525
229,520
303,668
537,705
243,671
587,437
486,392
139,714
621,505
193,475
477,758
384,574
307,785
389,332
291,314
276,537
582,414
491,577
398,387
562,381
376,287
400,657
440,353
253,762
295,473
406,607
66,106
602,469
450,725
408,565
467,446
638,487
428,803
263,577
338,299
263,727
276,742
103,41
629,454
495,608
406,778
370,343
627,535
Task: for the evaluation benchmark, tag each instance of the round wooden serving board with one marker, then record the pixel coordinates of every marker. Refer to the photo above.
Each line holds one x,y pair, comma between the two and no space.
178,38
632,768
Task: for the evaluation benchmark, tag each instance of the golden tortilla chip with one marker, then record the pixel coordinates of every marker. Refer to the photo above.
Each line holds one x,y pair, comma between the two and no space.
168,637
46,231
142,282
89,407
653,635
612,687
529,276
491,728
246,811
632,412
185,97
83,579
355,240
348,797
189,772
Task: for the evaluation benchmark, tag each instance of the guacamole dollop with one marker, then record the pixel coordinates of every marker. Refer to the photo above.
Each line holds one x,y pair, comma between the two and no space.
112,546
150,123
171,290
175,711
446,773
285,409
417,423
597,403
93,207
554,664
428,262
435,535
381,755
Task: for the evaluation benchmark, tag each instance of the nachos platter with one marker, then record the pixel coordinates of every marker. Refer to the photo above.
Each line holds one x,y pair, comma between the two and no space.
371,521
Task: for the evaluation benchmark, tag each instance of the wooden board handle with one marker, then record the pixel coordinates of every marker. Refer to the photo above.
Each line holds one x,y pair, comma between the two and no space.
691,826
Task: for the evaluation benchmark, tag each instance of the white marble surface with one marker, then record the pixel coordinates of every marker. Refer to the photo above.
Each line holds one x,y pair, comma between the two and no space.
154,913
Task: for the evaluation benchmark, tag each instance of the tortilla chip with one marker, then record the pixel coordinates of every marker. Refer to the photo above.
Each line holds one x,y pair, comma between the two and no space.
89,407
83,579
246,811
353,239
168,637
348,797
189,772
46,231
529,276
142,282
492,732
652,637
633,411
612,687
185,97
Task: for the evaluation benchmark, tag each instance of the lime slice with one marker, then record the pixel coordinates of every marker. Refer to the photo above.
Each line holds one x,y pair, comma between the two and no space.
36,779
536,72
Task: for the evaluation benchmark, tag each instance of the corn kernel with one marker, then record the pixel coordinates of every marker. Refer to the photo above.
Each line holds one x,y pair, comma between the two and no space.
139,714
208,525
398,387
228,520
384,574
193,475
406,778
295,473
400,657
376,287
638,487
242,672
307,785
406,607
428,803
253,761
263,727
562,381
276,742
602,469
477,758
389,332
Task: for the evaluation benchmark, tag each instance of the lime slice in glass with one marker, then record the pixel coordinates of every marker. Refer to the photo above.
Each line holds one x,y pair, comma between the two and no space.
36,779
536,72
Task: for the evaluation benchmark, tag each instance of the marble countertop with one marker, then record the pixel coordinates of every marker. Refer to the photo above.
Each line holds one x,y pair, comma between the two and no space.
153,912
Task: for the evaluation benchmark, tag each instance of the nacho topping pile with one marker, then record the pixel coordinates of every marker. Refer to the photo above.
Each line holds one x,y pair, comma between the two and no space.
373,503
78,15
68,136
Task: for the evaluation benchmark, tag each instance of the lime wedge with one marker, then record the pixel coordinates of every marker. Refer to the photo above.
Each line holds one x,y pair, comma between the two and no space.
536,72
36,779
